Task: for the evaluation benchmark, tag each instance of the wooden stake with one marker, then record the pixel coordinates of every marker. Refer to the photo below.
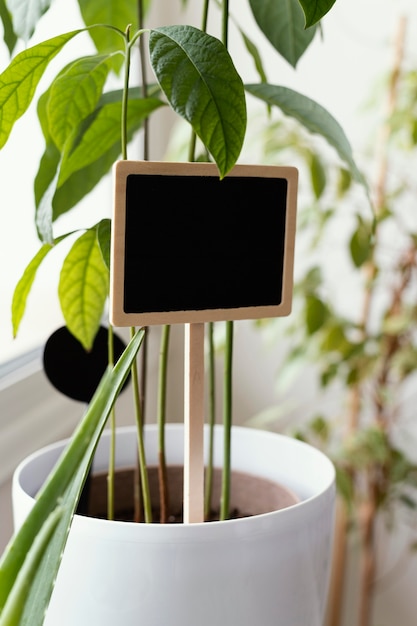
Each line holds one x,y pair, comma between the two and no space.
194,423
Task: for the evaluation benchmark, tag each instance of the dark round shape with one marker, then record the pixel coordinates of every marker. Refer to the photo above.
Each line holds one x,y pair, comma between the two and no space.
72,370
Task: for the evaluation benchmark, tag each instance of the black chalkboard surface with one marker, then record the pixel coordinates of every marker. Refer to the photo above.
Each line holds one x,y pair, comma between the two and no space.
188,247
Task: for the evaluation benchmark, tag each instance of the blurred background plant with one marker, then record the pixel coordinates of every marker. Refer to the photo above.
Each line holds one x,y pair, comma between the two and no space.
354,329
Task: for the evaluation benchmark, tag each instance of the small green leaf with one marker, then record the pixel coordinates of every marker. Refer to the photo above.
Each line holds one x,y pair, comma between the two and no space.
283,23
83,288
19,80
9,36
198,77
25,283
344,484
314,10
116,13
26,15
316,314
254,52
318,176
103,237
344,182
334,340
361,244
312,115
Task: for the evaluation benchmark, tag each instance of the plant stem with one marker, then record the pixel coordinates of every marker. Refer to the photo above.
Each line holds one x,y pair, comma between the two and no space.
125,97
212,419
112,455
227,422
144,80
162,388
369,508
141,446
338,569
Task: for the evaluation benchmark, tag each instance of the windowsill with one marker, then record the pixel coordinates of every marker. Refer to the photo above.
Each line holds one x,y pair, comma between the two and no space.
32,414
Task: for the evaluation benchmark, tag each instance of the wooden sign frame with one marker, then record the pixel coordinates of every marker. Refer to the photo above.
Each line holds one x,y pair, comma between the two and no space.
171,205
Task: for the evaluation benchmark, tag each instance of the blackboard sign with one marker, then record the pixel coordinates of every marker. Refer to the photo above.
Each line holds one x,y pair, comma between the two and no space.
189,247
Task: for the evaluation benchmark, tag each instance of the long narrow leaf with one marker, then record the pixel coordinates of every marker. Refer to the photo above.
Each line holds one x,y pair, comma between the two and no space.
18,596
67,478
313,117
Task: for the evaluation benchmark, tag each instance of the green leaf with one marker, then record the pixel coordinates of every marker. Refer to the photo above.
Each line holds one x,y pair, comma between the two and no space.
64,486
9,36
19,594
101,132
367,447
316,314
116,13
25,283
51,157
314,10
81,182
361,243
104,238
19,80
198,77
74,95
318,176
283,23
312,115
83,288
26,15
254,52
345,485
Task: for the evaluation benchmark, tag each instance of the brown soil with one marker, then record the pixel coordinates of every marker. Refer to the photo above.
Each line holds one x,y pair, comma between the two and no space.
250,495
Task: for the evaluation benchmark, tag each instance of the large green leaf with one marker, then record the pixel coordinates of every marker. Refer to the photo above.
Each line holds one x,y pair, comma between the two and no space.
101,132
198,77
19,80
81,182
9,36
74,95
312,115
315,9
26,14
83,288
283,23
62,489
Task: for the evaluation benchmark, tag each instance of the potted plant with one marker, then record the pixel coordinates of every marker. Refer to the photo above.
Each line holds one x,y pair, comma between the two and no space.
86,128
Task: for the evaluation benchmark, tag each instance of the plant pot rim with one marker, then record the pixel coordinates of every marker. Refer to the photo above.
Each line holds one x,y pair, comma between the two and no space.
318,462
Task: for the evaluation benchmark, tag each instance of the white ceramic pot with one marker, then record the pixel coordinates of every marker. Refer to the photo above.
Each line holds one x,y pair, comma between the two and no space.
266,569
